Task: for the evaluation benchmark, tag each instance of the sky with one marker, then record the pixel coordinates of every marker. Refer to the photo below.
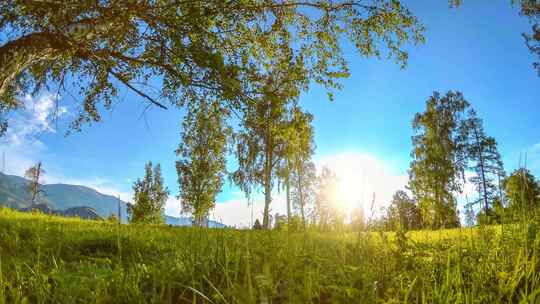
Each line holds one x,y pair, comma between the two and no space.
364,135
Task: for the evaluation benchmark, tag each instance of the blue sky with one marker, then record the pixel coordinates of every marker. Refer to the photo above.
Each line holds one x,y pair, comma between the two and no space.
476,49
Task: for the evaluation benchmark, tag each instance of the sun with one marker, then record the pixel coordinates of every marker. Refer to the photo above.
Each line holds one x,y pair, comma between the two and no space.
350,190
362,179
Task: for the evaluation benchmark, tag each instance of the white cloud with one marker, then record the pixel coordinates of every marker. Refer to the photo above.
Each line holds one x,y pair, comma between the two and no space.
235,211
23,148
239,213
172,206
21,143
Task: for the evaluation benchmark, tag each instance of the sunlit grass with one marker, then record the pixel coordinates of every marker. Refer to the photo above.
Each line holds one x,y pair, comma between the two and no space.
48,259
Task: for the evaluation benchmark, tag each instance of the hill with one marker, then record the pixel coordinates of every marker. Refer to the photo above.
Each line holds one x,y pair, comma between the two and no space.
69,200
14,194
186,221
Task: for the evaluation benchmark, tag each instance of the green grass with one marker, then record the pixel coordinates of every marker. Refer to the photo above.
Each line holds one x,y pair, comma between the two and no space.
45,259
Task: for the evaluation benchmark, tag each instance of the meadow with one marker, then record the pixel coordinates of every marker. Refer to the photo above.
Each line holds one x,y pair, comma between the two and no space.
49,259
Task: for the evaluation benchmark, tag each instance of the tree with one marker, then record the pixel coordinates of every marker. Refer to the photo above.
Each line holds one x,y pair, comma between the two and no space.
149,195
470,216
522,191
486,162
201,167
439,157
193,49
531,9
299,148
34,174
257,225
403,213
304,186
261,140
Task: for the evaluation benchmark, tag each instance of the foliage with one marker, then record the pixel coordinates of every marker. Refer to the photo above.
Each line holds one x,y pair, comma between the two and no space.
297,170
201,167
193,49
298,147
34,174
261,142
403,213
523,192
486,163
531,9
304,188
47,259
439,157
149,195
257,225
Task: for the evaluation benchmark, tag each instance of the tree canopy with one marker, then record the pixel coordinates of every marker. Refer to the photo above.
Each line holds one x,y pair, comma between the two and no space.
201,167
403,213
522,191
439,157
485,162
149,195
176,52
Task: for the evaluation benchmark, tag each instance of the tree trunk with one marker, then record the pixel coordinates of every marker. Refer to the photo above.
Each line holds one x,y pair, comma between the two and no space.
35,184
269,157
501,198
288,194
267,180
267,201
482,171
301,198
18,55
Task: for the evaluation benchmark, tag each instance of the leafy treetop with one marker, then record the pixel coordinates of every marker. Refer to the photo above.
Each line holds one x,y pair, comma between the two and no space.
187,49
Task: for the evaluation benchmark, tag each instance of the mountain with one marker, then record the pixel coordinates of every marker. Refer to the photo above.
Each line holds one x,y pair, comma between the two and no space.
72,200
186,221
64,196
14,193
81,212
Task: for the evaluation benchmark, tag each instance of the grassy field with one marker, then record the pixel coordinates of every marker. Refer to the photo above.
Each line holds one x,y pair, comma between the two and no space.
45,259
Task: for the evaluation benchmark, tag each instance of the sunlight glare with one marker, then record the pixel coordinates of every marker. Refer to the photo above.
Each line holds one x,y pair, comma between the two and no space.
360,177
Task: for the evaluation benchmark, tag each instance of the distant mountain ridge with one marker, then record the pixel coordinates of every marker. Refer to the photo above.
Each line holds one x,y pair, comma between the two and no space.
82,212
186,221
70,199
14,193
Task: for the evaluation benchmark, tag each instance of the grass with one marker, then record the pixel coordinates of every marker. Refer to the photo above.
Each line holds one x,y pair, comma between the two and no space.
47,259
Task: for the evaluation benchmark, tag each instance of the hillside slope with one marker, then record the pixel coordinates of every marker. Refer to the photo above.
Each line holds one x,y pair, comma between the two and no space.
14,193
